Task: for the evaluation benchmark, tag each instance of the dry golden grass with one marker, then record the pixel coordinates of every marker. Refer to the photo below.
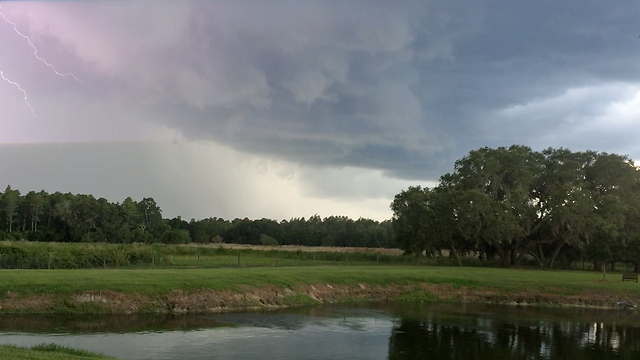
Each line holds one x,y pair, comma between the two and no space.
381,251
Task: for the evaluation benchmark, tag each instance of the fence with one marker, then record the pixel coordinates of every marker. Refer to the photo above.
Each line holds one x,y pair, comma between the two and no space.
241,259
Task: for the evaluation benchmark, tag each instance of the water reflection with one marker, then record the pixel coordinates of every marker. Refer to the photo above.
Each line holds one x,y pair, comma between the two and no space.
105,323
382,331
516,334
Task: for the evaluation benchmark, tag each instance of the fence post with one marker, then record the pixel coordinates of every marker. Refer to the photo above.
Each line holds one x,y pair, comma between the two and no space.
277,258
314,259
238,259
198,261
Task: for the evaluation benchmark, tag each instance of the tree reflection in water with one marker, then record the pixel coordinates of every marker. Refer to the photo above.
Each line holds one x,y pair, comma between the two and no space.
436,338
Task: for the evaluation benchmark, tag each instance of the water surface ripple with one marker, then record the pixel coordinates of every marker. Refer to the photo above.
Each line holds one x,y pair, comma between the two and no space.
373,331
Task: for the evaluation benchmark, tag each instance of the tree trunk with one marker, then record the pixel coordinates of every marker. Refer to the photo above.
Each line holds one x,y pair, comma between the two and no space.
515,258
597,265
539,256
506,258
555,254
510,258
456,255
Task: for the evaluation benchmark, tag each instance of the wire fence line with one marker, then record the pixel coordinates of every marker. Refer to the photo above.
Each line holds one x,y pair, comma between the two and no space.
240,260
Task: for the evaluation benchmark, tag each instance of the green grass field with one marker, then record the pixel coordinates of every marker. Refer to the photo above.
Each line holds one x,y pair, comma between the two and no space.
33,255
162,281
47,352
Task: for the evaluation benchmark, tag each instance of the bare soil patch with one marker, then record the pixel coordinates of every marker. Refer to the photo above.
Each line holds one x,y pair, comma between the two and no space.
211,301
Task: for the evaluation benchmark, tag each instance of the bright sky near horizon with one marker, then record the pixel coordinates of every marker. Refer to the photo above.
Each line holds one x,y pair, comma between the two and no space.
287,108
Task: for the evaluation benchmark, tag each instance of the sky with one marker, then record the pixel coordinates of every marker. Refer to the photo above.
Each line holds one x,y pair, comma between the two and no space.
279,109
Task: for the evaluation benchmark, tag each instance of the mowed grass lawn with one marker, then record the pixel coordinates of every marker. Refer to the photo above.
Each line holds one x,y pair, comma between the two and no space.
161,281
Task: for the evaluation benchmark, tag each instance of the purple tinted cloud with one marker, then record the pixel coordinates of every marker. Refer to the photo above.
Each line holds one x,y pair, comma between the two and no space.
404,87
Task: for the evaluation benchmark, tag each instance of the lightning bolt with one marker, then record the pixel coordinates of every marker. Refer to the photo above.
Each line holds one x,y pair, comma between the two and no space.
35,53
35,49
19,88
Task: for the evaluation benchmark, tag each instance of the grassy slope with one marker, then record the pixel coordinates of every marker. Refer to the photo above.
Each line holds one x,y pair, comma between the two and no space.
8,352
163,281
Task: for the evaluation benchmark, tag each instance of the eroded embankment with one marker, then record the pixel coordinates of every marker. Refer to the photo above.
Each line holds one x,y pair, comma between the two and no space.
209,301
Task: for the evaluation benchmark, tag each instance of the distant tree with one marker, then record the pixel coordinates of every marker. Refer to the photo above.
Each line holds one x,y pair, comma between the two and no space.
39,216
208,230
152,217
411,218
245,231
131,214
35,207
178,223
9,206
176,236
266,240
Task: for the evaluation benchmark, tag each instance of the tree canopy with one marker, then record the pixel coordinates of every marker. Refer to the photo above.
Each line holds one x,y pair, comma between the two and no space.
515,203
66,217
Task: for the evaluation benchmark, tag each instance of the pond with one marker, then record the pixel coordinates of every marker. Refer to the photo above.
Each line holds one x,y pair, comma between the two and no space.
371,331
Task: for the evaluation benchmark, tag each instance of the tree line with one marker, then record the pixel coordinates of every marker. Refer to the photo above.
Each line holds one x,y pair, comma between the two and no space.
515,203
66,217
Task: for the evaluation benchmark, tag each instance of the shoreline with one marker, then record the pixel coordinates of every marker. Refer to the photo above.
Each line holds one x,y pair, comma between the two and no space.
133,291
272,298
48,352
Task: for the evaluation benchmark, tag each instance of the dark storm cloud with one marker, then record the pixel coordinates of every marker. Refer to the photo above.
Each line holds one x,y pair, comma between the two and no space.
340,79
403,87
408,89
518,53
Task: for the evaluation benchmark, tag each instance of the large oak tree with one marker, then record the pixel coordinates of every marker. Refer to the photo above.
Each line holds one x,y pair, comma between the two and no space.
520,203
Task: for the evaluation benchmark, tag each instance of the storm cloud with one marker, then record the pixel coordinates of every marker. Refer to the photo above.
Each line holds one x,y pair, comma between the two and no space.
396,89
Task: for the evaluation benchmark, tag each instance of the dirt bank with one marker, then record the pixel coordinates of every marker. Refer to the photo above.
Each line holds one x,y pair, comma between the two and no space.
210,301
